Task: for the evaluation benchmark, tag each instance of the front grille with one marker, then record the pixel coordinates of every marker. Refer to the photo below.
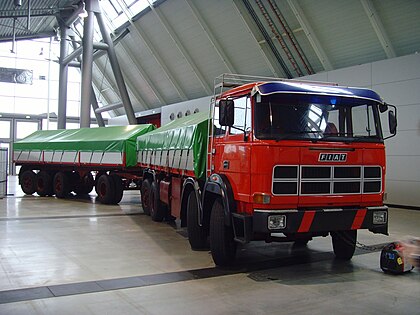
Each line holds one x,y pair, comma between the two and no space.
326,180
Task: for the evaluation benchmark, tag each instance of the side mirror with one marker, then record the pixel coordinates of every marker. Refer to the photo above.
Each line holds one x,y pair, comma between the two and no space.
383,107
226,112
392,120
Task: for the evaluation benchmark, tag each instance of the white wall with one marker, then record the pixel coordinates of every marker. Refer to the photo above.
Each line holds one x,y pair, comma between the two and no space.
397,81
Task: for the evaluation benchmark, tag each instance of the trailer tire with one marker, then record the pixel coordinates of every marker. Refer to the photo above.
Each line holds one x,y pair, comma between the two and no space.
84,185
97,176
222,244
119,188
105,187
28,182
145,196
197,235
61,185
157,209
344,244
44,185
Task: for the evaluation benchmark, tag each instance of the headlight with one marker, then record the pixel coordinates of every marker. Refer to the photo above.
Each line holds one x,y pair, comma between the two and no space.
276,222
379,217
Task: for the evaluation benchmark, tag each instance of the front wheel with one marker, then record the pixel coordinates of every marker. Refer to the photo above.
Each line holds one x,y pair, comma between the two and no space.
344,244
28,182
197,235
222,244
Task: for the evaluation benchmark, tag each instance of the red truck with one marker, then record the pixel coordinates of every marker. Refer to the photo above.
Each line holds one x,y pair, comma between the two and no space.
276,160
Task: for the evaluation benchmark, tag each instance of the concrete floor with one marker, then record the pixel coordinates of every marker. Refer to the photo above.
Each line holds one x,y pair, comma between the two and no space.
80,257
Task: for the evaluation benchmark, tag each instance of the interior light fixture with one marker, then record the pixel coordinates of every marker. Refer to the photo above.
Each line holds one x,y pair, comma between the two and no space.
83,14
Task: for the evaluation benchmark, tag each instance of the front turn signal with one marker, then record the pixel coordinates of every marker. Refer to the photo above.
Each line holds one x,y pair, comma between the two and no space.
261,198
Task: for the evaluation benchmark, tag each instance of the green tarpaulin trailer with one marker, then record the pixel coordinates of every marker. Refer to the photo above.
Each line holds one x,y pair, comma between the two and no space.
112,146
179,145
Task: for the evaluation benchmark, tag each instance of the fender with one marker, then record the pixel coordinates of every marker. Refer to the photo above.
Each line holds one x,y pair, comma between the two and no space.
219,184
191,181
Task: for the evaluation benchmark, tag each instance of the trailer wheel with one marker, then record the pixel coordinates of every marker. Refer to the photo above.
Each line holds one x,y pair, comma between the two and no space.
157,210
197,235
119,188
61,185
97,176
84,185
344,244
44,185
28,182
222,244
106,189
145,196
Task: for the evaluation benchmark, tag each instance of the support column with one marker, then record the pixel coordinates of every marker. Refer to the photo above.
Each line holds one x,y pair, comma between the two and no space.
95,106
117,71
86,97
62,80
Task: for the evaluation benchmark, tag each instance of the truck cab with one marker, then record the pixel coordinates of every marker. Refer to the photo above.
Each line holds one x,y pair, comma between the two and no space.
291,160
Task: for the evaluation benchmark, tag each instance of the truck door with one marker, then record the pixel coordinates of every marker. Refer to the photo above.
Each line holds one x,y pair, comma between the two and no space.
233,150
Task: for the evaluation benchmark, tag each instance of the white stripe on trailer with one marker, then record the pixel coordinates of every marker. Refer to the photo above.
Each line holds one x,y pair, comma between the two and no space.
48,156
96,157
69,157
112,158
57,156
177,158
190,160
16,154
171,154
34,156
164,158
85,157
24,155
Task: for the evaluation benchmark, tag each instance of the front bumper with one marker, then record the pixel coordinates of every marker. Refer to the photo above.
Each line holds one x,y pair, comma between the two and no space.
322,220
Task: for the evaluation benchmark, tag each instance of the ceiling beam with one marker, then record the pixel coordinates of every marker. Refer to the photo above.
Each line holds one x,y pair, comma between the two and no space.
181,48
143,73
310,34
213,41
266,53
160,61
112,84
378,27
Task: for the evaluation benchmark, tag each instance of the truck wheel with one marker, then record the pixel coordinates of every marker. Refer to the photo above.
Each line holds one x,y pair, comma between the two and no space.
106,189
157,210
222,244
44,185
145,196
119,188
28,182
197,235
344,244
61,185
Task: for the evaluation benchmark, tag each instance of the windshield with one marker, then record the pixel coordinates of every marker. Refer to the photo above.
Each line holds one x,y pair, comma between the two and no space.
313,117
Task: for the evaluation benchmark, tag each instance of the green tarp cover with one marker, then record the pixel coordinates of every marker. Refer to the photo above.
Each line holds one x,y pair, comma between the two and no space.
106,139
190,132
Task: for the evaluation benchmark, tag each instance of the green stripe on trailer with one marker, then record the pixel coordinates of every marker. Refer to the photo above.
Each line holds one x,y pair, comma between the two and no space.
105,139
188,133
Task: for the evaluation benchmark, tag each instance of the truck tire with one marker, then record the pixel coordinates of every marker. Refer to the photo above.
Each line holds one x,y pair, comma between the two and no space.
28,182
157,210
61,185
105,187
119,188
145,196
84,185
197,235
344,244
44,185
222,244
